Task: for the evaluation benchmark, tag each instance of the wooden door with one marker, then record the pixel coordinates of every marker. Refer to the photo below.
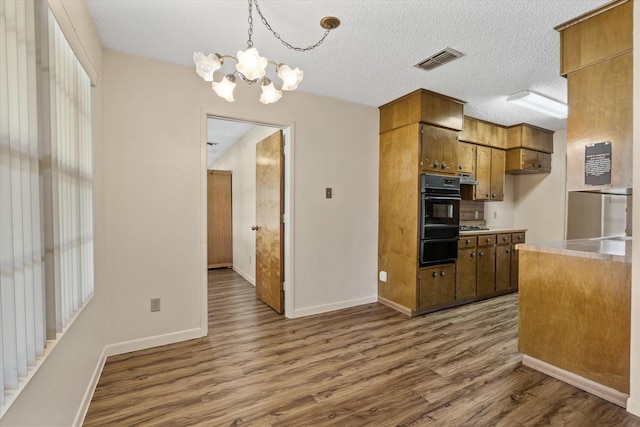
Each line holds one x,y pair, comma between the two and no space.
497,174
219,227
483,172
466,272
439,150
486,272
503,267
466,158
270,230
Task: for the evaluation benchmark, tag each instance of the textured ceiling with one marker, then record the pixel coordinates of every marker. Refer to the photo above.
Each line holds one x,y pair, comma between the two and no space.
509,45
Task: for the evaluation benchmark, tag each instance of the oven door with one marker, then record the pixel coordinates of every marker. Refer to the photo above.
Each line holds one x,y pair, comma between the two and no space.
439,212
438,251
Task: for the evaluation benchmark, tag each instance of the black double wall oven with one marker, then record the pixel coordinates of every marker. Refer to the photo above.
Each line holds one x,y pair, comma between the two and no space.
439,219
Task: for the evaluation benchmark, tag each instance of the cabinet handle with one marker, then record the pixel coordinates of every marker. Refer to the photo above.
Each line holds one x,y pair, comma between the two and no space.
254,228
442,273
486,195
493,195
519,237
467,241
480,253
534,165
488,239
436,164
460,167
434,274
444,165
507,250
472,254
504,238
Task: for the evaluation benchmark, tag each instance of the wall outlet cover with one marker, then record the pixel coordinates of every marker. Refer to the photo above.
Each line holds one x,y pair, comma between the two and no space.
155,304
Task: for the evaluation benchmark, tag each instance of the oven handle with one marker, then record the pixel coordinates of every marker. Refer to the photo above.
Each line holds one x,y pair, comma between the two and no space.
428,197
449,239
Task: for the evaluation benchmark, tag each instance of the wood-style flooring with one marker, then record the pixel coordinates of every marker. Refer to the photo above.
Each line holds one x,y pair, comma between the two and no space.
362,366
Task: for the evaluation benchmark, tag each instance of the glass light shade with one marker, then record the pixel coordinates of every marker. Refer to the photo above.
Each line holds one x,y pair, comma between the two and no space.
206,65
269,93
539,103
290,78
225,88
251,64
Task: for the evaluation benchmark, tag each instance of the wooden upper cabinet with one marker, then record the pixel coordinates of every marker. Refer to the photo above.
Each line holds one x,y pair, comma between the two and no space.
422,106
467,158
521,161
596,36
531,137
497,174
483,173
439,150
483,133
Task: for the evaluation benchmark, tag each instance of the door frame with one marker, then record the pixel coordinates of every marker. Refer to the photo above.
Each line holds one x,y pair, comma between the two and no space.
288,129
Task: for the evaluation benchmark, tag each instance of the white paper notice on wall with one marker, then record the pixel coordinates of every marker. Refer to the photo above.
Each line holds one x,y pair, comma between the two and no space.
597,164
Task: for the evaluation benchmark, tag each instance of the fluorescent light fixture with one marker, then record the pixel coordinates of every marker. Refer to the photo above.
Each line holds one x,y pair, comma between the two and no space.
539,103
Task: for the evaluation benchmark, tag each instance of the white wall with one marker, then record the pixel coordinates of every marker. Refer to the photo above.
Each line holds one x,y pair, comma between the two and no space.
540,198
502,214
62,385
240,159
154,115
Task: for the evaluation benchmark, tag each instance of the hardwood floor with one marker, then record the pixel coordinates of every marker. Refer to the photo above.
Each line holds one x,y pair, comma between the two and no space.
362,366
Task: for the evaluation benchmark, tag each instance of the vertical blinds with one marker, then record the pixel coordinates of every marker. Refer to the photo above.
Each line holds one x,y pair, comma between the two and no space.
46,196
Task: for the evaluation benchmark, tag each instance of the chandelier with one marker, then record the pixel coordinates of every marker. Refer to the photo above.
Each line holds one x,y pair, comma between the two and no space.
251,67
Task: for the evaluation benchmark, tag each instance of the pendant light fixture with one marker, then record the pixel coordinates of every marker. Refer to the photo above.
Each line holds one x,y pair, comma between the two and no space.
252,68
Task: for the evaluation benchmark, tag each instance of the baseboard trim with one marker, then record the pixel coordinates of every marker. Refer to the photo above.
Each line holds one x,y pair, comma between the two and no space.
402,309
246,276
590,386
91,388
309,311
633,406
155,341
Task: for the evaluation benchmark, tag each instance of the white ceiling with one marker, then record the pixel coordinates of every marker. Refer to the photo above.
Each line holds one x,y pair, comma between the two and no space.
509,45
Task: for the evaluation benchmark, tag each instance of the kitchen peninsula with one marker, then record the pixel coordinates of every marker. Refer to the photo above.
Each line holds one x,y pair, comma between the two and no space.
574,313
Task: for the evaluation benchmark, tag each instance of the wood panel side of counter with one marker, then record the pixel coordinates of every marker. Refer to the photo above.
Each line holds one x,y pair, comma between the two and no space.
574,313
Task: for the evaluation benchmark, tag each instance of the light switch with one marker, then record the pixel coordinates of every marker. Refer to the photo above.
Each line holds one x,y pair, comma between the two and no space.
383,276
329,193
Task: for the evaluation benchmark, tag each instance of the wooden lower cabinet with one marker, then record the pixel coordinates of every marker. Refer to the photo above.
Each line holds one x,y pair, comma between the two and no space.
486,272
437,286
503,262
515,255
466,268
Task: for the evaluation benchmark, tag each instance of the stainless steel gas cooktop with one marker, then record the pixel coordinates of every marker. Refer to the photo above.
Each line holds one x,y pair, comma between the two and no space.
472,228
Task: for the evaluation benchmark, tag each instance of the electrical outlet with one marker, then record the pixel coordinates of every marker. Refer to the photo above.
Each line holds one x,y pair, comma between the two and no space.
155,304
249,259
328,193
495,214
476,214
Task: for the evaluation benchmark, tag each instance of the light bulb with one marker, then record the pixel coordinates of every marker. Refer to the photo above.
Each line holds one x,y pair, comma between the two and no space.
225,88
269,93
251,64
290,78
206,65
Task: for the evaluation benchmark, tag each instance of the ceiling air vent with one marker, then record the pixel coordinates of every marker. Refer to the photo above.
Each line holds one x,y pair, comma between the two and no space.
440,58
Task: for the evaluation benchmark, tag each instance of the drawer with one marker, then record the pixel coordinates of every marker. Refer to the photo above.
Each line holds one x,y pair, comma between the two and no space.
504,239
467,242
517,238
487,240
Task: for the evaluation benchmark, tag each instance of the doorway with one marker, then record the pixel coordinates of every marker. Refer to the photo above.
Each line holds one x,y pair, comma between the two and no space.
231,146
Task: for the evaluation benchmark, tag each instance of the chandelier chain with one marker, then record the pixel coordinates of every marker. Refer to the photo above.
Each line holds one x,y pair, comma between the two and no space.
266,24
250,19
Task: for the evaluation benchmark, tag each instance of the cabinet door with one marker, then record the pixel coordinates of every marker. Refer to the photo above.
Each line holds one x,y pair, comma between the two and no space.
437,286
529,160
515,239
486,272
497,174
544,162
466,274
439,150
503,267
466,157
483,172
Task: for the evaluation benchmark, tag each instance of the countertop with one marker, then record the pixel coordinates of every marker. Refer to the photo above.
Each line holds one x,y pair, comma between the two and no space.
493,230
616,249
